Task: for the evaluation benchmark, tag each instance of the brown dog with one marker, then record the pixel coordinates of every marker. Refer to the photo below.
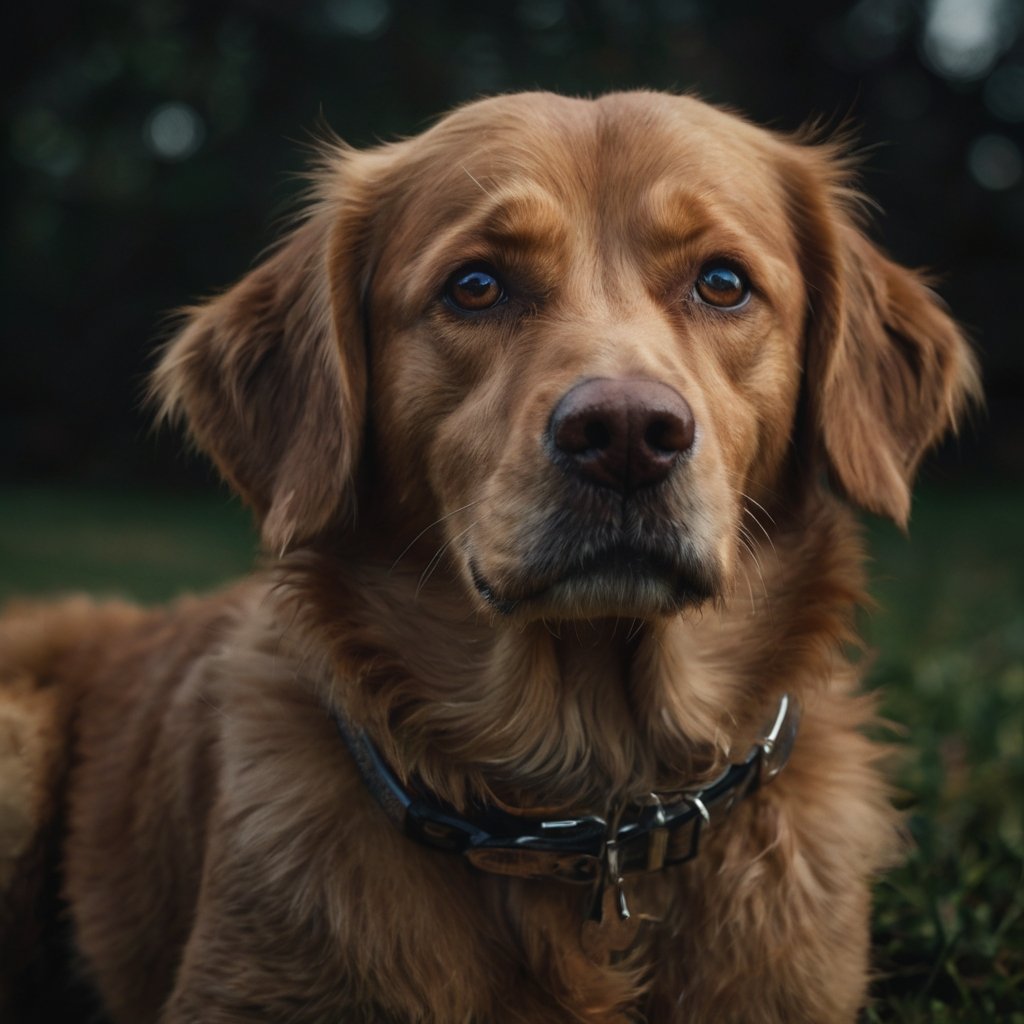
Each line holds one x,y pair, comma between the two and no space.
536,412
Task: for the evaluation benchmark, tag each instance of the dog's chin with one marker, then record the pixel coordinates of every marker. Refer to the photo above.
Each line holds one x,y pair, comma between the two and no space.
617,584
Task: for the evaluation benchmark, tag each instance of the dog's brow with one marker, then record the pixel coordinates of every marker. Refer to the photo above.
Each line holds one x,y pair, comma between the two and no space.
672,216
518,219
522,219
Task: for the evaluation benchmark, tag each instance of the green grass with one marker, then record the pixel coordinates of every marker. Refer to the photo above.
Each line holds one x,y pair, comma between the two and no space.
950,638
949,631
149,547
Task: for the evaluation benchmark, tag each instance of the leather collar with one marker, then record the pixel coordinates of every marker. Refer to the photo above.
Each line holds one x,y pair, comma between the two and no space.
648,835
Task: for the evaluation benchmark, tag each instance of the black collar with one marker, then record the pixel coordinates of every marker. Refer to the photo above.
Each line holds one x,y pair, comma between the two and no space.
665,829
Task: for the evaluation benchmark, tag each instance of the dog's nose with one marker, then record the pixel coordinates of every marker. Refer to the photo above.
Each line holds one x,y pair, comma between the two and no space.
623,434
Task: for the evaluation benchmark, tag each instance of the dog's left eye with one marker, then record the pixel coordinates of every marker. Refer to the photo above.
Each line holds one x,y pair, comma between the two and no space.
474,289
718,284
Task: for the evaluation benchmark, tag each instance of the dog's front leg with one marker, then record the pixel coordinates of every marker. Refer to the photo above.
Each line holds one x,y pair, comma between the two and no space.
223,981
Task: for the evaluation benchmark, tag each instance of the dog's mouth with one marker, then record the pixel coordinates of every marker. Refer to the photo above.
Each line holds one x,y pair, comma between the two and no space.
620,580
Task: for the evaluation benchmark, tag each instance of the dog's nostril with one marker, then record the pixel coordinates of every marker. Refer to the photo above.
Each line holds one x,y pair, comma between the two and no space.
669,435
656,436
597,435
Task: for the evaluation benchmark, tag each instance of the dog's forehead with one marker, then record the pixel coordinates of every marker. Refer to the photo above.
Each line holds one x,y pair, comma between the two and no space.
606,155
631,129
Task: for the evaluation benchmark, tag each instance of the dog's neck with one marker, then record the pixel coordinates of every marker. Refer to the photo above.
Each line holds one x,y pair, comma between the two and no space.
572,714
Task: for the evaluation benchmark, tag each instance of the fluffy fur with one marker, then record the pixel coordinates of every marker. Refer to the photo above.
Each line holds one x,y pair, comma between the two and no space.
440,577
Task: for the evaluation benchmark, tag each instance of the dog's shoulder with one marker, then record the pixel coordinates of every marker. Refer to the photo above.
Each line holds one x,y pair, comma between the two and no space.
39,642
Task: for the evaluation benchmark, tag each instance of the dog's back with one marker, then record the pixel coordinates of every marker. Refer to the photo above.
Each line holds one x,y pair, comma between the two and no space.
47,653
76,686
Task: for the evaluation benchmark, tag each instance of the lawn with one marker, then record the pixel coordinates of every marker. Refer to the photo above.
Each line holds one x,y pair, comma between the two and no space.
149,547
949,630
950,635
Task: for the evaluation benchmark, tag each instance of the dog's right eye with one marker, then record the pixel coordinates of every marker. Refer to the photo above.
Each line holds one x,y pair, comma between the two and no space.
722,286
473,289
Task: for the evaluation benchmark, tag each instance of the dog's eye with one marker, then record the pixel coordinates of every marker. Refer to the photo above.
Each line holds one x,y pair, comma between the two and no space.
474,289
720,285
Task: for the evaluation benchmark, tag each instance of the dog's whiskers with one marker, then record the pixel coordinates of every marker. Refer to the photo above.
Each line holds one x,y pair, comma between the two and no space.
636,627
768,515
747,501
427,529
747,540
435,560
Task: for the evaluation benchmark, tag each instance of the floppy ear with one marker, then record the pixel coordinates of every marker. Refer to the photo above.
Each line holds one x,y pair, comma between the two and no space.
888,372
271,377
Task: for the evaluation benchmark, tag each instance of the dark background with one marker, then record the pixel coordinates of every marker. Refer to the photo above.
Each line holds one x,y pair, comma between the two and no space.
150,148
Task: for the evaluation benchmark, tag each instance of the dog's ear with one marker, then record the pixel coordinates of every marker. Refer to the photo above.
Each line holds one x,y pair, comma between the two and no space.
888,372
270,376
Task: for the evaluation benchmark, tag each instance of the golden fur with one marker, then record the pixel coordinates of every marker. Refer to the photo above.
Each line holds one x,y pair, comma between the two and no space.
221,858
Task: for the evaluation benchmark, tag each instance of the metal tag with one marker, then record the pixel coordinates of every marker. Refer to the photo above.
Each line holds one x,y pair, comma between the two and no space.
609,929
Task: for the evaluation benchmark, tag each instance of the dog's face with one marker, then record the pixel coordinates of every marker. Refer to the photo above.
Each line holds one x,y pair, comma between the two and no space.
583,334
587,328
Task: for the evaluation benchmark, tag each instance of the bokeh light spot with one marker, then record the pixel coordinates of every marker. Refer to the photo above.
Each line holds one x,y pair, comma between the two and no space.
174,131
540,14
873,28
1004,93
995,162
39,138
366,19
963,38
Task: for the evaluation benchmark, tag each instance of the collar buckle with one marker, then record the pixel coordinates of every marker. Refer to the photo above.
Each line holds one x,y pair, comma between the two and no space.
657,838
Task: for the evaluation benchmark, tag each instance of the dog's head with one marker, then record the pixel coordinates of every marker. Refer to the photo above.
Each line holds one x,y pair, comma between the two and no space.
580,340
